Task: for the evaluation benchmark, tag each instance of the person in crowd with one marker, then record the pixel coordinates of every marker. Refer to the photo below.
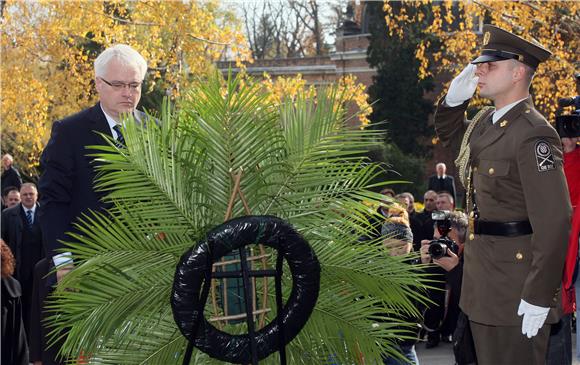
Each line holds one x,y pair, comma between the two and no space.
10,197
21,231
66,184
445,201
413,215
397,214
410,200
10,175
424,230
376,220
560,342
434,312
14,345
453,268
440,181
398,239
510,162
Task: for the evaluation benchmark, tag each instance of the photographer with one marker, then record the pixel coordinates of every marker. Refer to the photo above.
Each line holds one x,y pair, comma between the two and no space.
452,263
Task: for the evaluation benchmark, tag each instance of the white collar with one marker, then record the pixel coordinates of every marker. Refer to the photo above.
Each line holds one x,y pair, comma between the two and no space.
501,112
442,176
112,122
33,209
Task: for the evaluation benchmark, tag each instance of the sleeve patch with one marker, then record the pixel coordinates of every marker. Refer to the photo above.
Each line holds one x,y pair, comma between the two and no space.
544,156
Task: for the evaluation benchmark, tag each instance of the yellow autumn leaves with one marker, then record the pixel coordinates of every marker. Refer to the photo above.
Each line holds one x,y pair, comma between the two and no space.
456,24
48,47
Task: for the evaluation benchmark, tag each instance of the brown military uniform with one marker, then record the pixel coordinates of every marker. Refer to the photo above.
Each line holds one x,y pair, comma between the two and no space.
509,186
516,175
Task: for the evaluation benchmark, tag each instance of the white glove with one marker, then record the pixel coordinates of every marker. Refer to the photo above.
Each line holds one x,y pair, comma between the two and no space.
462,87
534,318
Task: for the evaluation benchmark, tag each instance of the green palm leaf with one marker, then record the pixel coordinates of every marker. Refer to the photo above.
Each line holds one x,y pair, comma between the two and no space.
172,183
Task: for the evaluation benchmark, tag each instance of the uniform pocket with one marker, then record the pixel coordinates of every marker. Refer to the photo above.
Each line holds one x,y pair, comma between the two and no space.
517,250
493,168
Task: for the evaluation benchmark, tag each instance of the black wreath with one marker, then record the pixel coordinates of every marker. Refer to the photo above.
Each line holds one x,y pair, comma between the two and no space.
196,263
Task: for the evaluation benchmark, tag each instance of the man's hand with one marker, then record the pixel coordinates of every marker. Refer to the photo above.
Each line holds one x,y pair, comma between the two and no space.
462,87
534,318
425,257
569,144
447,262
62,271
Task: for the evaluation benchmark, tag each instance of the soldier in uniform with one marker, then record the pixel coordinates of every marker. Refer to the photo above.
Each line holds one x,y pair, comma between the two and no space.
511,165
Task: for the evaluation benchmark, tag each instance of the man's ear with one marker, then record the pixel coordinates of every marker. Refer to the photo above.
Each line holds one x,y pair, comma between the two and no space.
98,84
519,73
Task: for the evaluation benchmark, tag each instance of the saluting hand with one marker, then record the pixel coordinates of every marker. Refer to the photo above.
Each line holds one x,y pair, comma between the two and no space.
462,87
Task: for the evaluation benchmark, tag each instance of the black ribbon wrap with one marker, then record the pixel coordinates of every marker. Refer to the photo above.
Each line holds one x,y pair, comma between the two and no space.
194,269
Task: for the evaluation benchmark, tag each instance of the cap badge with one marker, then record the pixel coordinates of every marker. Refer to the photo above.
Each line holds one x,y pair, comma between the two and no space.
486,37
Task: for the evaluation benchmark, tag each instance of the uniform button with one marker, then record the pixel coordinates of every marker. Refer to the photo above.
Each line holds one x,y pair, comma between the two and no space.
475,169
527,111
519,256
491,171
471,236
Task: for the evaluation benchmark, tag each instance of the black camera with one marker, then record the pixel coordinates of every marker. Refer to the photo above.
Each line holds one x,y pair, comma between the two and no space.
438,248
568,126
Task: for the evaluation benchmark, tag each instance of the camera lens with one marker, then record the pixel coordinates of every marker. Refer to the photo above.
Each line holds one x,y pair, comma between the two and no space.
437,250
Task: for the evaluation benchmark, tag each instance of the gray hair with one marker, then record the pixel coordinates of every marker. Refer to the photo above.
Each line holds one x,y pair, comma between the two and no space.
28,185
123,53
446,195
460,223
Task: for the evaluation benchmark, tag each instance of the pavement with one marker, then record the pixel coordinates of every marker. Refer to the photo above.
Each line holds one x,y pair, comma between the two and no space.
443,354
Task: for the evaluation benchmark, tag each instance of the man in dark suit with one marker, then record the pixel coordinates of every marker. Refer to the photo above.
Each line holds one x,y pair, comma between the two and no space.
21,231
68,171
441,181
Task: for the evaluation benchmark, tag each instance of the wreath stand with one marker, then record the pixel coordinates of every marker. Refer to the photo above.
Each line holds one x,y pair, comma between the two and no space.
248,274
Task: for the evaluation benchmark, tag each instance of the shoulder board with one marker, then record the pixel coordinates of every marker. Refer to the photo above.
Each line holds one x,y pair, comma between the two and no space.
534,117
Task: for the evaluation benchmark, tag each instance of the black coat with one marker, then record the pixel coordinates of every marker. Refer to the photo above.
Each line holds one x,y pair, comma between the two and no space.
39,331
14,345
66,183
13,223
446,184
68,174
11,177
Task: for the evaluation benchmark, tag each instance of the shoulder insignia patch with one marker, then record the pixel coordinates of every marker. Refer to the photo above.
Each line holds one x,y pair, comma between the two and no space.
544,156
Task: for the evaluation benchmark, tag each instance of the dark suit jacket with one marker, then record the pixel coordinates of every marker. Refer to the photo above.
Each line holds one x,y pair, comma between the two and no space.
448,185
13,222
68,174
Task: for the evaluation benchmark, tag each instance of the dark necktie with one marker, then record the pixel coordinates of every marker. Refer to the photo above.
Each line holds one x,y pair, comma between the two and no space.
29,217
120,137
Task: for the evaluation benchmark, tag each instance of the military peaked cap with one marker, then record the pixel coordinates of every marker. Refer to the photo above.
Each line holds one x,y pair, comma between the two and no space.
499,44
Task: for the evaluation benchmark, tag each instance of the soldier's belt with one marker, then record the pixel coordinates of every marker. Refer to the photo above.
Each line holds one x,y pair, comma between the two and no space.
509,229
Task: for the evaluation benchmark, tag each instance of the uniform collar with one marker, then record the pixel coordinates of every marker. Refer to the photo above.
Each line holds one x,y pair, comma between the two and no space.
502,111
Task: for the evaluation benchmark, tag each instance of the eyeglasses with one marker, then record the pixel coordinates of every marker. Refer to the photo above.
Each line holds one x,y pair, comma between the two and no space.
118,85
